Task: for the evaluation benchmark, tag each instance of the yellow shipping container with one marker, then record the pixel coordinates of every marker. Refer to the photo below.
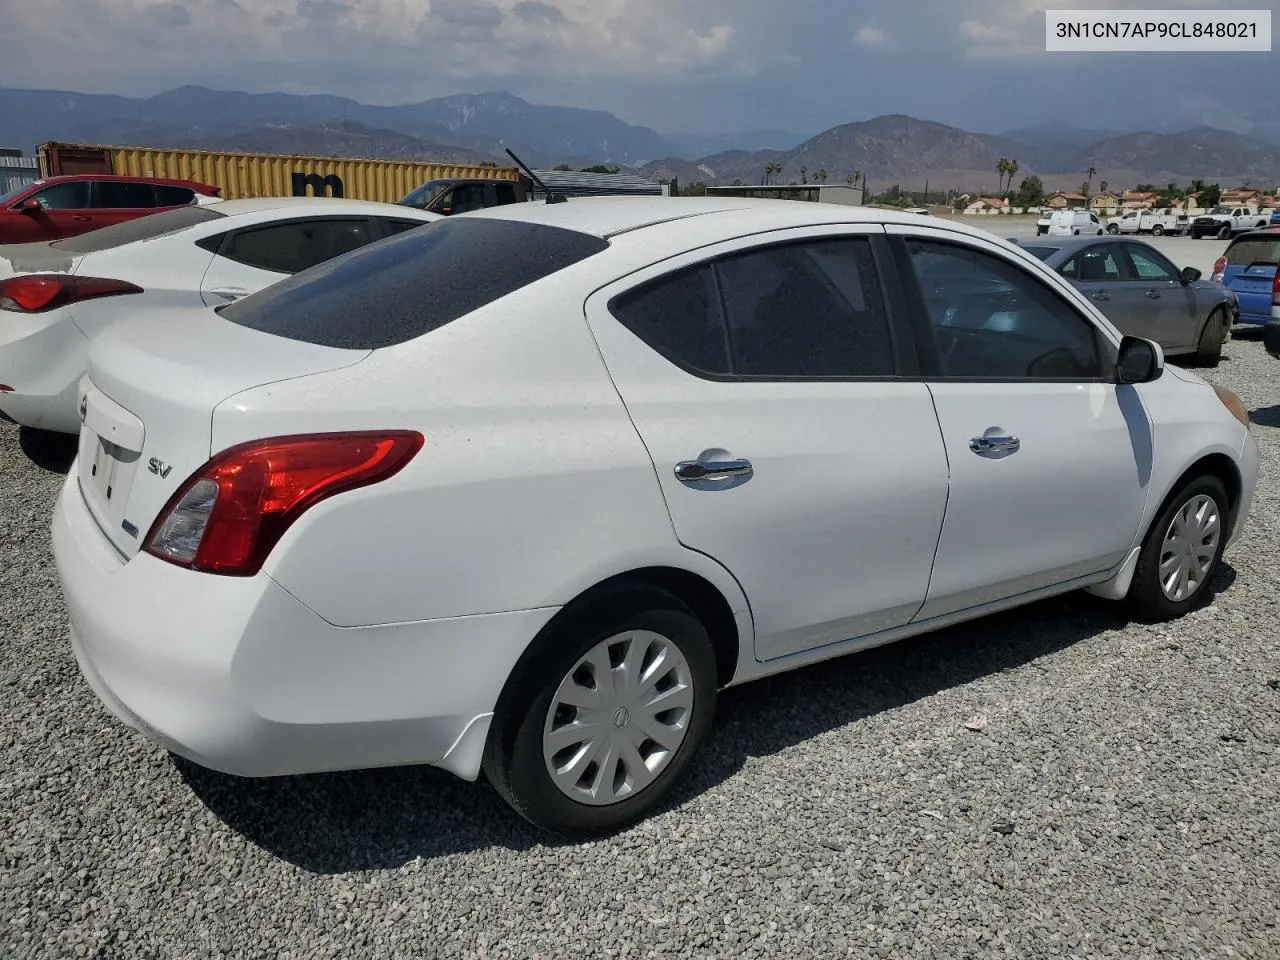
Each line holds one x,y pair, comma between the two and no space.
263,175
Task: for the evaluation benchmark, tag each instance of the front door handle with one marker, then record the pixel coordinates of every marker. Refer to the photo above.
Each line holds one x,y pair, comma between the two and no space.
997,444
83,219
1152,295
230,293
693,471
1100,295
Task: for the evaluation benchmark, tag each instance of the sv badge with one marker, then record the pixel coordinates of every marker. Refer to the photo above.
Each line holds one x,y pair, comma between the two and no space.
159,467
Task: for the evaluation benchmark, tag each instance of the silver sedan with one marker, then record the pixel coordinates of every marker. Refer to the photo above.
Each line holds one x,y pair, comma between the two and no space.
1144,294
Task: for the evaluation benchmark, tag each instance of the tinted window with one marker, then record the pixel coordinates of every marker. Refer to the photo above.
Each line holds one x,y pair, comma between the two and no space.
393,227
409,285
65,196
1245,253
992,320
679,316
806,310
504,192
296,245
1149,265
1099,264
467,197
1041,253
114,195
143,228
167,196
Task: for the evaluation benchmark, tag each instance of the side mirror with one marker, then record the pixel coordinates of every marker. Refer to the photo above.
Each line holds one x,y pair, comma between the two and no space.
446,211
1190,275
30,205
1140,361
1271,338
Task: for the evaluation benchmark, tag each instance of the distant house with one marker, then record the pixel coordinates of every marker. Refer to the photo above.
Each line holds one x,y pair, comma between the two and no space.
987,206
1242,198
1138,200
1105,201
1067,201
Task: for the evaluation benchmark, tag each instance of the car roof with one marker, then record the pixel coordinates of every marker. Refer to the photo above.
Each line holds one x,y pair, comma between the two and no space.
318,205
1266,233
606,217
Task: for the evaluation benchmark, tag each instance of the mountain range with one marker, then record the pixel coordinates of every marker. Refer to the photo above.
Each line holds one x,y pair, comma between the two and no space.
476,127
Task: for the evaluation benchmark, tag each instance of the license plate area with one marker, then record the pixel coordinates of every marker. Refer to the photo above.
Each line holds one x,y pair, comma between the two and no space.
107,471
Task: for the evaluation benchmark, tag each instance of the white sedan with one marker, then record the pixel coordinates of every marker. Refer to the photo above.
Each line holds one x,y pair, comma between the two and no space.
56,297
522,490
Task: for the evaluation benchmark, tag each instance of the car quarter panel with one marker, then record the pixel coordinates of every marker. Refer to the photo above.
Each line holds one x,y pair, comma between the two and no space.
531,487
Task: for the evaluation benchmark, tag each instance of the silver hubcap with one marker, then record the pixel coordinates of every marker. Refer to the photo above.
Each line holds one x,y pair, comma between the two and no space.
1190,544
618,718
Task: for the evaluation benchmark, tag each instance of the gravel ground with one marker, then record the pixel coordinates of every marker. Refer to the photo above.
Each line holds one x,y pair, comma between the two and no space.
1120,795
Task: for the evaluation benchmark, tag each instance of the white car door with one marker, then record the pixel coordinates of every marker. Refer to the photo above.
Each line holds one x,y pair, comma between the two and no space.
765,378
253,257
1050,459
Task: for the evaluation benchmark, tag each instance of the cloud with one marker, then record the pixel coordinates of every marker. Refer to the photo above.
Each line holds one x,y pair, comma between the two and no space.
169,14
318,10
533,10
870,37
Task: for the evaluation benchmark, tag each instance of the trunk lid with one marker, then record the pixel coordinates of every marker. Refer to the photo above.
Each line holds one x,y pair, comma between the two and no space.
41,257
147,405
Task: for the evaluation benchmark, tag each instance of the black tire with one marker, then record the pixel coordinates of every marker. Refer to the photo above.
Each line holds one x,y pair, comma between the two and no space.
1224,232
1209,348
513,761
1146,599
1112,229
1157,231
1075,233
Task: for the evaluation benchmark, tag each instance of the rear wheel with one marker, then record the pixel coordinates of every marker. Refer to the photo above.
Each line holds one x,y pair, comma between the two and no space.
1181,552
1112,229
1209,348
1157,230
604,714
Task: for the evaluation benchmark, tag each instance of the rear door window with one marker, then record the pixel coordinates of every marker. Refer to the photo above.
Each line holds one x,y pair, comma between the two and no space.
412,284
118,195
169,196
504,193
679,316
295,245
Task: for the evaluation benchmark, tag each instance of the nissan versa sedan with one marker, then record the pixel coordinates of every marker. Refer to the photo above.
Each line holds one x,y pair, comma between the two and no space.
521,490
1144,294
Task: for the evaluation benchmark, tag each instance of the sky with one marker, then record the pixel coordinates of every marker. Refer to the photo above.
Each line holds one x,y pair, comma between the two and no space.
678,66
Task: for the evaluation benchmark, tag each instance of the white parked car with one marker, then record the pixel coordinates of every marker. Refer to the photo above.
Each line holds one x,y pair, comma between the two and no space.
521,490
56,297
1068,223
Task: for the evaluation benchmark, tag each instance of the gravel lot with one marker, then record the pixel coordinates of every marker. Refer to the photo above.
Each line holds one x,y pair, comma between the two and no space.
1121,797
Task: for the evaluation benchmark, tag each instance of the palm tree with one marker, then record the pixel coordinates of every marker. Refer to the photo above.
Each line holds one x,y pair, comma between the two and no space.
770,169
1102,185
1091,171
804,173
822,175
1012,168
1002,167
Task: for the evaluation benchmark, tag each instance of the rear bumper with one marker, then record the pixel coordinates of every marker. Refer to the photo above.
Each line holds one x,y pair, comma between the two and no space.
42,357
237,675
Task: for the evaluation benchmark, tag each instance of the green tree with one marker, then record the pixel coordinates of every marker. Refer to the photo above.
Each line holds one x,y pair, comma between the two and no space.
1102,185
1030,192
1013,171
822,175
1211,195
804,173
562,166
598,168
1091,171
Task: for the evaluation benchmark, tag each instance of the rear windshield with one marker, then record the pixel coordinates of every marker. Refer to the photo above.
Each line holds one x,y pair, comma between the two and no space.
1244,253
147,227
1041,253
400,288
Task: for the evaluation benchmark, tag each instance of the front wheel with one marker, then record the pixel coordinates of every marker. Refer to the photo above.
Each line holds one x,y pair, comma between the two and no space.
1157,230
604,714
1209,347
1112,229
1182,552
1224,233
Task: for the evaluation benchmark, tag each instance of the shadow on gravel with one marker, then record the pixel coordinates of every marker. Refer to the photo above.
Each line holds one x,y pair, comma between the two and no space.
48,451
1266,416
382,819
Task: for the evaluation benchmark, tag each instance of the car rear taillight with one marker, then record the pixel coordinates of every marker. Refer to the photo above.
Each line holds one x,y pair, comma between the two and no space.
1219,269
1275,289
37,292
228,516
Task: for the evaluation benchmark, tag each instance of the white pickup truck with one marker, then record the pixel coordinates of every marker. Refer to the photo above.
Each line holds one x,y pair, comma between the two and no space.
1157,222
1224,222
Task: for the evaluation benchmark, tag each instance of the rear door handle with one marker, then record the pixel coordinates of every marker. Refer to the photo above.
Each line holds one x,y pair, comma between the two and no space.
986,445
1101,296
693,471
230,293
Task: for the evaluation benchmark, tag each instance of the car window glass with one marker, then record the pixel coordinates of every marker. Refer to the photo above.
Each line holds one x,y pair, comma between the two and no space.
809,309
679,316
118,195
504,192
73,195
1247,252
1150,265
400,226
469,196
1099,265
296,245
992,320
167,196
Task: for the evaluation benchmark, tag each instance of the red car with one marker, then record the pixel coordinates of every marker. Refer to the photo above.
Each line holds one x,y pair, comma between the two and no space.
67,206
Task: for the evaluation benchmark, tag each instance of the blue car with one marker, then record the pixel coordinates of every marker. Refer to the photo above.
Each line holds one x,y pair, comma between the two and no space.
1248,268
1275,219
